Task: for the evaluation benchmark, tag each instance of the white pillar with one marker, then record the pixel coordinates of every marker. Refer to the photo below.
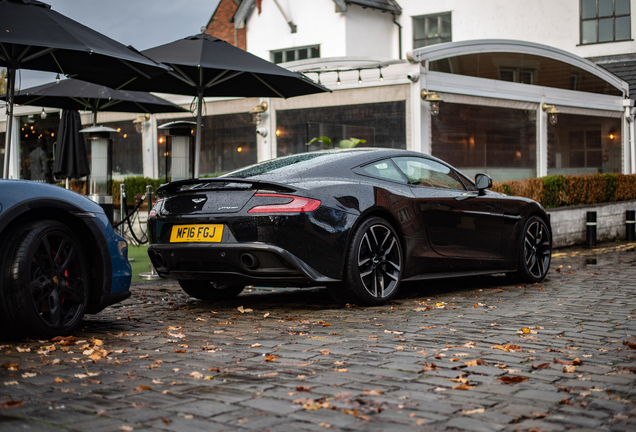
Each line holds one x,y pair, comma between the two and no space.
415,141
149,147
180,158
542,141
264,132
14,162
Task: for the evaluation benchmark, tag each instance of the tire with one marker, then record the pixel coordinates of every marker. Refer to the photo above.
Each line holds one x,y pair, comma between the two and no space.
210,291
374,263
535,251
44,286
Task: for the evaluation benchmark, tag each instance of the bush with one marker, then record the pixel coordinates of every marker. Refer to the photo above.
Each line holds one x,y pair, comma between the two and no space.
563,190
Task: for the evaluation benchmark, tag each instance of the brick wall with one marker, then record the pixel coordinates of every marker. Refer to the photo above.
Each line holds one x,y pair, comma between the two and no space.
221,27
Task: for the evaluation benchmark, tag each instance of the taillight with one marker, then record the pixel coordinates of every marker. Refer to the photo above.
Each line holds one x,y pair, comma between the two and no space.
153,211
296,205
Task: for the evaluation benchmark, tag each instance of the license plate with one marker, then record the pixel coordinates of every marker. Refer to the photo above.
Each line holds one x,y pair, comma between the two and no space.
196,233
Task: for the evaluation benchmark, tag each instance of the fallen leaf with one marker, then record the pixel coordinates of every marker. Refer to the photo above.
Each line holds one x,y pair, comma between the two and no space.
507,348
28,375
525,330
478,362
256,345
142,388
630,345
304,388
270,358
11,404
241,309
126,428
463,387
181,351
372,392
325,352
577,361
166,421
196,374
11,366
430,367
541,366
569,369
475,411
511,379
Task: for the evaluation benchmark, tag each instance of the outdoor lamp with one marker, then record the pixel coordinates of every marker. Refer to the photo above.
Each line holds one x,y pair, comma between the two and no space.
100,179
257,111
43,114
182,149
139,121
552,112
433,99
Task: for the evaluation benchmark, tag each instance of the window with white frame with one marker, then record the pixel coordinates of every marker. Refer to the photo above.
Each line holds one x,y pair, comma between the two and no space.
432,29
293,54
605,21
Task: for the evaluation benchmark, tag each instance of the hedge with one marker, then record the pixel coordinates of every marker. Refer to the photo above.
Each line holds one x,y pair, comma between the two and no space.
568,190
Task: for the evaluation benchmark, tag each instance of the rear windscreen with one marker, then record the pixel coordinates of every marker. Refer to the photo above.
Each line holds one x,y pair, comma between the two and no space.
286,164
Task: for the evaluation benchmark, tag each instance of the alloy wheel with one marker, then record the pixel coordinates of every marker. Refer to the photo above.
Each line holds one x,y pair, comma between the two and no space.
57,286
379,261
537,249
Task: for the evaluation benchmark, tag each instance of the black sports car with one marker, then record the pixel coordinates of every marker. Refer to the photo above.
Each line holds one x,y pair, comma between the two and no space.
358,221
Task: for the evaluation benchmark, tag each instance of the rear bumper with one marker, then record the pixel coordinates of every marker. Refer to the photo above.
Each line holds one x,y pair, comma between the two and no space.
249,263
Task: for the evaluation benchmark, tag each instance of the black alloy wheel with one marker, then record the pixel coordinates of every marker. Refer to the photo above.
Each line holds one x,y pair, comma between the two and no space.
536,251
45,283
374,263
210,291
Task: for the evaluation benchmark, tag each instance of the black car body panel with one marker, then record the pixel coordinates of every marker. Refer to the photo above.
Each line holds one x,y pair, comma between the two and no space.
444,231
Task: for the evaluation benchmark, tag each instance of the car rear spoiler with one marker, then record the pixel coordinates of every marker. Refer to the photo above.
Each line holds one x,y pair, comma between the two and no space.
225,183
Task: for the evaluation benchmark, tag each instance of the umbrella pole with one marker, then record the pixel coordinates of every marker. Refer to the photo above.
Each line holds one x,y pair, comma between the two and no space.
197,148
10,96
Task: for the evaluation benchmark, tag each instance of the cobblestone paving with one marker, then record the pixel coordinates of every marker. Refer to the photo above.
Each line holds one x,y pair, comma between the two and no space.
477,354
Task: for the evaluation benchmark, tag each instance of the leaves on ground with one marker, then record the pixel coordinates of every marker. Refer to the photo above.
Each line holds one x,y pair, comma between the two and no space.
11,404
511,379
507,348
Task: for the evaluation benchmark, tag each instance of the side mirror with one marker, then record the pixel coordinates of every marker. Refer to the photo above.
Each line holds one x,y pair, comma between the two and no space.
483,182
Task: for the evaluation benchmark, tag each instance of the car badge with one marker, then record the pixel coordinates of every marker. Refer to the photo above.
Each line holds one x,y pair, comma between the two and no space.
197,200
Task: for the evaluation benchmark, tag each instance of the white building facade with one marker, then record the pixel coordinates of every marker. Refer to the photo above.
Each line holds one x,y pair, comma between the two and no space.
473,83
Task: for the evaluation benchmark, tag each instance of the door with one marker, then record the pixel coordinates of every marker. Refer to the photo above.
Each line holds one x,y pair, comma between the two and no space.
458,223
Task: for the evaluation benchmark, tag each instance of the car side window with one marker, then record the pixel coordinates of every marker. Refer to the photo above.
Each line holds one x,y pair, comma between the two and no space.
384,169
425,172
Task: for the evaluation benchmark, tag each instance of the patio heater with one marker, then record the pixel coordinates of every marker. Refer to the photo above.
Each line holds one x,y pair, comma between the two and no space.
101,175
182,153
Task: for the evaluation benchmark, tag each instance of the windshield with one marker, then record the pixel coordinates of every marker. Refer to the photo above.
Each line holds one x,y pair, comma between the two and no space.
285,165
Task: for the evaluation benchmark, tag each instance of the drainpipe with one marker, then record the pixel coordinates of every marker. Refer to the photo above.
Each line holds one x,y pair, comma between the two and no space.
399,36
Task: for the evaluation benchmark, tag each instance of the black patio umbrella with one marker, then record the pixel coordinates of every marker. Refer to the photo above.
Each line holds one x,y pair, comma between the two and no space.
35,37
73,94
205,66
71,159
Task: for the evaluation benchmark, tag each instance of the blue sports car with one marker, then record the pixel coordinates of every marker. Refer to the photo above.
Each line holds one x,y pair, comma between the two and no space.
59,259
